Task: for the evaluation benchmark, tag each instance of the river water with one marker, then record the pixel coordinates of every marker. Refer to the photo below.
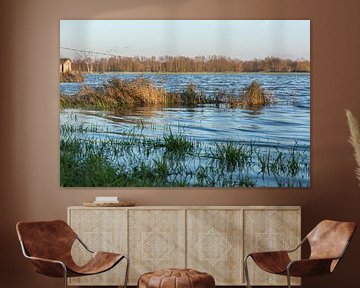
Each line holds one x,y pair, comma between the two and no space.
283,124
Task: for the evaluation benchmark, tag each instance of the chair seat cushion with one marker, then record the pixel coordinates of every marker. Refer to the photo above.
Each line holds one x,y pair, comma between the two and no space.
176,278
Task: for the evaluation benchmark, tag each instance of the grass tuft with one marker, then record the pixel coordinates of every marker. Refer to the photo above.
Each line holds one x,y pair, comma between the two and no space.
254,96
177,143
232,155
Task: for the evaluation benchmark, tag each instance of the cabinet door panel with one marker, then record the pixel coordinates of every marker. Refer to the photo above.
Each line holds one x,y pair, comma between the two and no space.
214,244
209,239
156,240
100,230
270,230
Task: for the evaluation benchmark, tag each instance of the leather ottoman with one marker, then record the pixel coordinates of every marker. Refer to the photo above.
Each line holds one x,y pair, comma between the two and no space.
176,278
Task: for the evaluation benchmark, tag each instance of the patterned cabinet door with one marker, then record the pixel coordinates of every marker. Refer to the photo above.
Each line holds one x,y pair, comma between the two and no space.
214,244
269,230
156,240
101,230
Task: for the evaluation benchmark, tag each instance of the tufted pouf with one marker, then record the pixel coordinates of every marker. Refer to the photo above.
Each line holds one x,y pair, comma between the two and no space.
176,278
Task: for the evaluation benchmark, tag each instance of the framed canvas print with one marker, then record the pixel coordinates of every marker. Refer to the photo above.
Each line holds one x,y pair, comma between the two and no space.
184,103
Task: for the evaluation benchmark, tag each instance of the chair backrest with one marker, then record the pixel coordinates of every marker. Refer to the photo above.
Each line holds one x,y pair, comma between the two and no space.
329,239
46,239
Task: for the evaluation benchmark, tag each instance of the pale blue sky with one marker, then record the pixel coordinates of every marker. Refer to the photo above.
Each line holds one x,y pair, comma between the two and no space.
242,39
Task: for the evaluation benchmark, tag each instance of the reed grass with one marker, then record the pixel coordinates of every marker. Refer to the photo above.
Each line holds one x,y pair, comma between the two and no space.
118,94
71,76
188,97
254,95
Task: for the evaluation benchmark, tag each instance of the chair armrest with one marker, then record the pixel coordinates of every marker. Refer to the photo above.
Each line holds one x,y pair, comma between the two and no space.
83,244
49,267
309,267
281,251
298,246
267,253
46,260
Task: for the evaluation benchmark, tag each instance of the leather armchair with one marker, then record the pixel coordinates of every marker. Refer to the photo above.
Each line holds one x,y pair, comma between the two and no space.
48,245
328,243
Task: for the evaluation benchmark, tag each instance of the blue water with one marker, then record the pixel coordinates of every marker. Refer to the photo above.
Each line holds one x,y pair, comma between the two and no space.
282,124
286,121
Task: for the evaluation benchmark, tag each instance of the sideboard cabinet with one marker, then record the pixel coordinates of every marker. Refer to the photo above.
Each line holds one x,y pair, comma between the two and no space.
212,239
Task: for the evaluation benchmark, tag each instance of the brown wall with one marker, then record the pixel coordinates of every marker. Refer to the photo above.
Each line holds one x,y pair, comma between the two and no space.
29,124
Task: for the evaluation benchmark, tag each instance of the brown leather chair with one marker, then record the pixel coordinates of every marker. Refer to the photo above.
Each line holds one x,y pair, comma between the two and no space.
328,242
48,245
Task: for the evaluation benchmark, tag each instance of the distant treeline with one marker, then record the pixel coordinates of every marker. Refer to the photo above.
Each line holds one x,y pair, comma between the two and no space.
180,64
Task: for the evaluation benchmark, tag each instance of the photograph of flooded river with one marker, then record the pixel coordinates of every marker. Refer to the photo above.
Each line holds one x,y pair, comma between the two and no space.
178,119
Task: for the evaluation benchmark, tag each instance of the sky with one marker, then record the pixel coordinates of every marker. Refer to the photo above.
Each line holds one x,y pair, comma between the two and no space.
241,39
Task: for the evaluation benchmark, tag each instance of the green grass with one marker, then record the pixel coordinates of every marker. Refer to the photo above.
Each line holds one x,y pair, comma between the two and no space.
231,155
173,159
177,143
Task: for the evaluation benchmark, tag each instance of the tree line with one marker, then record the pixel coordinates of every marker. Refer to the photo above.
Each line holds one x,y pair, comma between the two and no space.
178,64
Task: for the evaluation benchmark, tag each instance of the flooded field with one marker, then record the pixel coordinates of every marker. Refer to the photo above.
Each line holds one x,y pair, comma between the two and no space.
203,145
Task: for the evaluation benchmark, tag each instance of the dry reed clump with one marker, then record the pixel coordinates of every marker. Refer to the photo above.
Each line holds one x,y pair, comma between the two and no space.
254,95
71,76
354,140
117,94
188,97
138,91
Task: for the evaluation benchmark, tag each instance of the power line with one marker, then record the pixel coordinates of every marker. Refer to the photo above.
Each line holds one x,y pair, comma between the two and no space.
88,51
